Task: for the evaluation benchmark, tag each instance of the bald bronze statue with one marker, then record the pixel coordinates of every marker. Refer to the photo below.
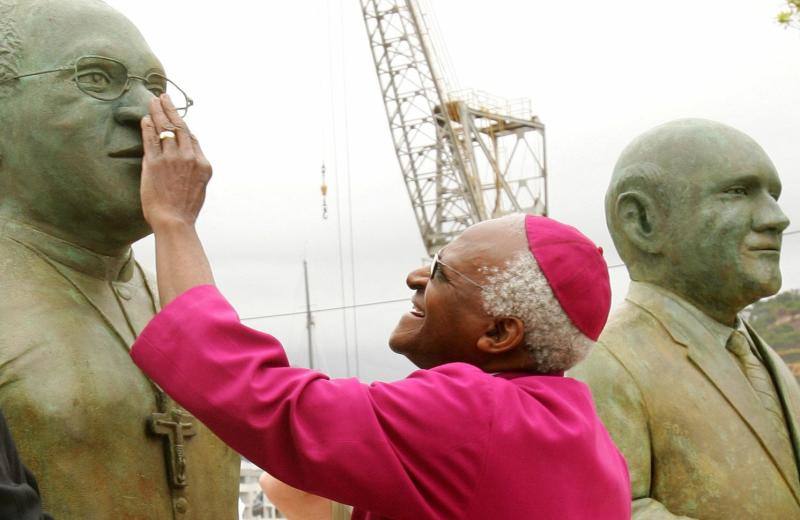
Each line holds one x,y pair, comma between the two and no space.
704,410
103,441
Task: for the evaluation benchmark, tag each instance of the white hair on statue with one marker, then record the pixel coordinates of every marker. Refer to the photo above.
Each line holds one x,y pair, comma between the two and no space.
521,290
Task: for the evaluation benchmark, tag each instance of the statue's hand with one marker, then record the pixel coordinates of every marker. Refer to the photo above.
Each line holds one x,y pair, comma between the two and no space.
174,170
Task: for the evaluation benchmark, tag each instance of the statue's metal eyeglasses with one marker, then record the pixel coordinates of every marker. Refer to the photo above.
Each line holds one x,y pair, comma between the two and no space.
435,267
108,79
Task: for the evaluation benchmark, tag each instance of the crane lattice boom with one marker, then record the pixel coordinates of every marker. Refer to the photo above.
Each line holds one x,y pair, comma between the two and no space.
464,157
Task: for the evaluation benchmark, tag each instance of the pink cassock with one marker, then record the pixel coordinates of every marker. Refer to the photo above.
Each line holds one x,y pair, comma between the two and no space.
452,442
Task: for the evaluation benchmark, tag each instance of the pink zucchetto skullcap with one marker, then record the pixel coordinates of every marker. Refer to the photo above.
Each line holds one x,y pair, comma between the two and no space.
575,269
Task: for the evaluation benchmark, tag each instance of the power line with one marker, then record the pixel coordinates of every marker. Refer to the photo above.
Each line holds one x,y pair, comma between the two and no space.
326,309
398,300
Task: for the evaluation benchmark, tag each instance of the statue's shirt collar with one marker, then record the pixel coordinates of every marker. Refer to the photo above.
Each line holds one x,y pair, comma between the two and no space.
111,268
654,297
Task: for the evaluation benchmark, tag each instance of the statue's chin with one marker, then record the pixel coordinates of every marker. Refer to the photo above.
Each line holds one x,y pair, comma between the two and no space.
127,232
105,234
768,287
764,276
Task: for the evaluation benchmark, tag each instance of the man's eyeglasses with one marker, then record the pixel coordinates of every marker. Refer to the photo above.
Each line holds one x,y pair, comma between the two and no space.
108,79
435,267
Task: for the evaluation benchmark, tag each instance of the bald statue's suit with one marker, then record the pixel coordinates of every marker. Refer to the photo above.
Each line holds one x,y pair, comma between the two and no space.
76,404
697,440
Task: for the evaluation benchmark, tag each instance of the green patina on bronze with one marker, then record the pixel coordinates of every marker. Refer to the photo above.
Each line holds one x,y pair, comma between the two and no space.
101,439
692,208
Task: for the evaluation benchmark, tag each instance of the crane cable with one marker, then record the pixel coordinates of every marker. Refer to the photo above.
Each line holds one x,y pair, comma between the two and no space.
340,248
324,189
348,179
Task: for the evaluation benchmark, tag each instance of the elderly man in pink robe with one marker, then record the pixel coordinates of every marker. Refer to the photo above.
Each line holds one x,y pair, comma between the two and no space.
487,428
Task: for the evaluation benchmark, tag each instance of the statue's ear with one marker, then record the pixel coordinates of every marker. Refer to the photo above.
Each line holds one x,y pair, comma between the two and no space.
640,220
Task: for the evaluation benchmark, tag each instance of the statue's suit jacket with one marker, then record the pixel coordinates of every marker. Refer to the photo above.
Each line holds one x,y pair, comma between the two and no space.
697,440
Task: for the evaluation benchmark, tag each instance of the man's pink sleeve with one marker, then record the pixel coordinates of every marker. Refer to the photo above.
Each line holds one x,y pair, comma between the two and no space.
413,448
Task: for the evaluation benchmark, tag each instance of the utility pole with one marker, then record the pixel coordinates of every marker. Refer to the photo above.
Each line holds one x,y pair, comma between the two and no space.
309,319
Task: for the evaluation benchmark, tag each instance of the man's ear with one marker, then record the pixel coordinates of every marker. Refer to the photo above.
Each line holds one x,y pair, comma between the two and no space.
640,220
507,333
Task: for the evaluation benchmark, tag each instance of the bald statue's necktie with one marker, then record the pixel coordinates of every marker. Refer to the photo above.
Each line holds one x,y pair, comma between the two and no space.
762,384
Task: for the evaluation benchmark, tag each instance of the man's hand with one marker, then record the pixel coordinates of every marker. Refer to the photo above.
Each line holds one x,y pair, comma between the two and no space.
174,177
174,170
295,504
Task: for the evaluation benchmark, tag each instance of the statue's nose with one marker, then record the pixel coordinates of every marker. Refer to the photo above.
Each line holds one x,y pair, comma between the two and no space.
133,105
129,115
769,216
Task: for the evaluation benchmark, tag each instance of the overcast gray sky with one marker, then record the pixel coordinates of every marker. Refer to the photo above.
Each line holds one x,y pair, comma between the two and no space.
281,87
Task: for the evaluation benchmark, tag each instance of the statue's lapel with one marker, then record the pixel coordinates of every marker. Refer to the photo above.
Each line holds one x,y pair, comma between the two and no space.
788,392
721,369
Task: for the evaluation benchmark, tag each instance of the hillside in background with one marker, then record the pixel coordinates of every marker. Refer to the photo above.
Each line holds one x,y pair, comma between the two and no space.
777,320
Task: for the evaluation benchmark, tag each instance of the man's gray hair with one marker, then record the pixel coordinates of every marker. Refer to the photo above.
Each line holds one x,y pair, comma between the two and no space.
521,290
10,45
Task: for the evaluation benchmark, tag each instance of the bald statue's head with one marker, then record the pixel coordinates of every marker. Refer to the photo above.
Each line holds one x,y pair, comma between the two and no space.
692,207
70,152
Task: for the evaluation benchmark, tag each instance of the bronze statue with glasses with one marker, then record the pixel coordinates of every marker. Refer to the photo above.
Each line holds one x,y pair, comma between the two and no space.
103,441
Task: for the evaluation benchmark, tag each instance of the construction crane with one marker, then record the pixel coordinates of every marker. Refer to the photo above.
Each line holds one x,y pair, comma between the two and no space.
465,157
